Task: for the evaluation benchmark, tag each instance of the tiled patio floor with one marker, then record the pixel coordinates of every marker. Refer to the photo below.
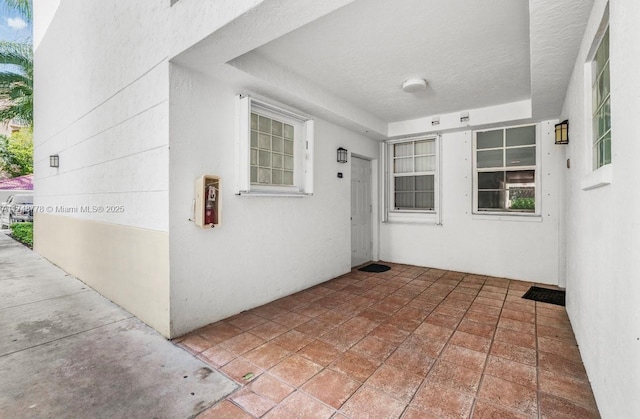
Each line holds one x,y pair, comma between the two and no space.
410,342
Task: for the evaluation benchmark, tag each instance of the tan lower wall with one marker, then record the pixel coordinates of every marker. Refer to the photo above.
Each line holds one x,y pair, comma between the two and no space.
128,265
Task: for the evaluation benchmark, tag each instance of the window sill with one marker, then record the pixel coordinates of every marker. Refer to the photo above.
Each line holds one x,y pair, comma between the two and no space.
275,194
413,218
598,178
505,216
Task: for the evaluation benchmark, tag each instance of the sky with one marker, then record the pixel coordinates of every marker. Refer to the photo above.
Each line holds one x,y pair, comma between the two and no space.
13,27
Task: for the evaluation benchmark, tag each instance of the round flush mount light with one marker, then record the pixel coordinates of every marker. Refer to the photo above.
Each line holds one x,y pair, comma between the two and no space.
414,85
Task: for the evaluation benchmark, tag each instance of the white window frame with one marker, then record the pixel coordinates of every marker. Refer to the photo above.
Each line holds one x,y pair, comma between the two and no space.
535,168
303,149
602,176
594,81
390,213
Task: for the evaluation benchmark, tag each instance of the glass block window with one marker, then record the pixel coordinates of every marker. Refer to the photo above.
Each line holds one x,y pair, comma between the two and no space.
272,151
505,168
414,172
601,104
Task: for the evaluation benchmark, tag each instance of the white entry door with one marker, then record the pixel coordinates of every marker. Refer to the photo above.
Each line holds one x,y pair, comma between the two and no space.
360,211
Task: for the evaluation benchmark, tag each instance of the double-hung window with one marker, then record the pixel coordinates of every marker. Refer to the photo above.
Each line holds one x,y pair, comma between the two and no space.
412,166
601,108
275,150
505,170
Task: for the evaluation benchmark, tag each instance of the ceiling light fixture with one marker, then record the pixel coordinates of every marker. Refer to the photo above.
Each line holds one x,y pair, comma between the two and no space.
414,85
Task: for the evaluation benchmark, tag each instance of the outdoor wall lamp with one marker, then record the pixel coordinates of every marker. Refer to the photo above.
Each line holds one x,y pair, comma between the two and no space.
54,161
562,132
342,155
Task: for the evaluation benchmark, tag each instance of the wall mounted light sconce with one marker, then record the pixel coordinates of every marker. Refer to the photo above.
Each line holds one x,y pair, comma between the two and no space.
54,161
562,132
342,155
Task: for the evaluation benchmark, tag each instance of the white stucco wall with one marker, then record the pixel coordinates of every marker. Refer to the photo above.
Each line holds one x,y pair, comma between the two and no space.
202,19
43,13
603,232
101,105
104,87
265,247
517,247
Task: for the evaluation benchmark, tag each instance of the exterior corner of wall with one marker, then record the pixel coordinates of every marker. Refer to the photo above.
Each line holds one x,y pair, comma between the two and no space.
127,265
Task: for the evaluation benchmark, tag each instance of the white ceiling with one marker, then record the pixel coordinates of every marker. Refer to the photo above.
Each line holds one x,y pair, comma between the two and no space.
346,60
472,53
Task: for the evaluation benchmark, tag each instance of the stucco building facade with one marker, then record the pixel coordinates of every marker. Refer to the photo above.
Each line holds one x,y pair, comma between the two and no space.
140,99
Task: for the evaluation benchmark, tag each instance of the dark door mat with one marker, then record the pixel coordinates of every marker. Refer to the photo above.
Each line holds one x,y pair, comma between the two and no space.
545,295
375,267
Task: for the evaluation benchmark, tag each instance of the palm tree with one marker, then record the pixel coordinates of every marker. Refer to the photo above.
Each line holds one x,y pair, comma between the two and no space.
16,82
16,72
21,6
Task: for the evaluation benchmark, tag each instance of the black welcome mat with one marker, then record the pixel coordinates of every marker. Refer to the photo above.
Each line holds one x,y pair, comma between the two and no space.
545,295
375,267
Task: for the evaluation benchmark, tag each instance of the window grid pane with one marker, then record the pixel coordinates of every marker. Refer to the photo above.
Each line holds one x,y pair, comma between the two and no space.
403,165
403,150
507,191
414,166
414,157
425,147
272,151
505,178
521,136
490,139
602,151
414,192
601,105
490,158
521,156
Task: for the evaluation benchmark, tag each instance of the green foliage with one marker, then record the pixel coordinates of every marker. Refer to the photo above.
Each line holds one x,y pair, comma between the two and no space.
23,7
523,203
16,82
23,232
16,153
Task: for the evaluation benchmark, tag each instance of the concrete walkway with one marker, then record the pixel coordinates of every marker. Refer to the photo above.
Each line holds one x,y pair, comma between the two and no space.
67,352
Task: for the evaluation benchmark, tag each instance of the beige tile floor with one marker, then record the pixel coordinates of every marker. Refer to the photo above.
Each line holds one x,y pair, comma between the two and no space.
411,342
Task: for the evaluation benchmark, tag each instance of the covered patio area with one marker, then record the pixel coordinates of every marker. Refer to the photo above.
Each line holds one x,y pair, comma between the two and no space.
411,342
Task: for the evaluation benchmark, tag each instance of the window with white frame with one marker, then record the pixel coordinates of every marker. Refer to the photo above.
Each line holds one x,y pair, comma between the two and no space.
505,170
413,175
601,108
275,150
